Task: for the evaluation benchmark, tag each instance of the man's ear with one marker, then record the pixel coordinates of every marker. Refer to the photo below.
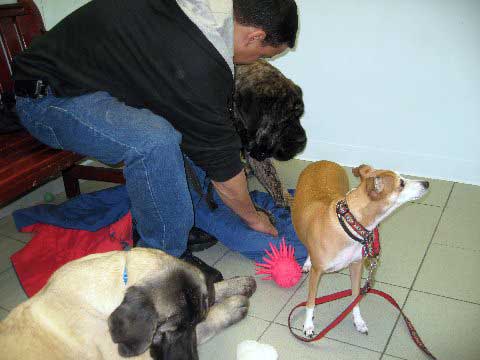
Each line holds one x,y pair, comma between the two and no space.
375,187
256,35
133,323
362,171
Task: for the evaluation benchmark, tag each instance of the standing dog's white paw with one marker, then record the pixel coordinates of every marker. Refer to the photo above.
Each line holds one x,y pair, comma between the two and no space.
309,331
308,327
358,321
361,326
307,266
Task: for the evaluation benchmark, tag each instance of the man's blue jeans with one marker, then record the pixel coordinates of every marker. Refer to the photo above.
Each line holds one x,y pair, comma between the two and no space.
100,126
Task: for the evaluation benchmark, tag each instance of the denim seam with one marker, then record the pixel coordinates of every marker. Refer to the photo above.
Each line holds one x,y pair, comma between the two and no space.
128,147
53,133
92,128
154,200
24,116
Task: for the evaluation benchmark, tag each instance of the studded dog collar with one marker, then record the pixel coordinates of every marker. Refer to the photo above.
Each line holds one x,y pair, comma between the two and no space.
369,239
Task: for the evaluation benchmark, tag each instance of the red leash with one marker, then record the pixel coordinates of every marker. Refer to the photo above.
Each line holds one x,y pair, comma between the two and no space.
342,294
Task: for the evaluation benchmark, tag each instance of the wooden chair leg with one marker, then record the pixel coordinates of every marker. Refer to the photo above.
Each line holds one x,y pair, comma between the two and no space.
76,172
71,184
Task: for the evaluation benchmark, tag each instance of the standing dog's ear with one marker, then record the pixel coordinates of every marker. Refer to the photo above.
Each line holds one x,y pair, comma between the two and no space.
362,171
375,187
379,186
133,323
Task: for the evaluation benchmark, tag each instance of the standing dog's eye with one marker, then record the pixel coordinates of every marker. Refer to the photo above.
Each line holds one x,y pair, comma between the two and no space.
402,183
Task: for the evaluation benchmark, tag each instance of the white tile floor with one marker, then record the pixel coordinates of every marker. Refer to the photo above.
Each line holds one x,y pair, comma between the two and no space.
430,264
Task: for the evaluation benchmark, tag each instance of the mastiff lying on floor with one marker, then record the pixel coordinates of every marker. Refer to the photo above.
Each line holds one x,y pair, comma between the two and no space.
140,303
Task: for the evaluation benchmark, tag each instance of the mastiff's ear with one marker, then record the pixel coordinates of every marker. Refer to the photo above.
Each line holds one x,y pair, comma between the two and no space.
175,338
188,293
133,323
175,345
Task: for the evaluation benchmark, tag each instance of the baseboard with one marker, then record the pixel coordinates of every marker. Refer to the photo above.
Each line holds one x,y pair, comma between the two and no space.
423,165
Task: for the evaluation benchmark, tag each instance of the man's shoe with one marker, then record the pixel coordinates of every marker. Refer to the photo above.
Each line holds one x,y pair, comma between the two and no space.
199,240
212,275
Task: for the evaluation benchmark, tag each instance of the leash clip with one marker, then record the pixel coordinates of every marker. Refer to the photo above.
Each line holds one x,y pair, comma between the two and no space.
373,263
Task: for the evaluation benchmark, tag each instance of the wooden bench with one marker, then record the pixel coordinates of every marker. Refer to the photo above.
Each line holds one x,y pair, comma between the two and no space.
25,163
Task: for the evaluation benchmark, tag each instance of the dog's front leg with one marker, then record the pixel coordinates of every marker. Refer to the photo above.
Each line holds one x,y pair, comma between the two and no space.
231,305
239,285
222,315
313,280
267,175
355,278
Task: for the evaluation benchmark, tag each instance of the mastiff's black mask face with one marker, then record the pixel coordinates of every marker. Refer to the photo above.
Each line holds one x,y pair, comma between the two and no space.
268,108
161,316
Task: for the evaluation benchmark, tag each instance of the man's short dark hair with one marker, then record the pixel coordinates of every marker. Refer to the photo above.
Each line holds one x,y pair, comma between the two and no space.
278,18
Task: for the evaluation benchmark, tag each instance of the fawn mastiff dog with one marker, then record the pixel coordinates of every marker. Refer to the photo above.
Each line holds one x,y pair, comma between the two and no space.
141,303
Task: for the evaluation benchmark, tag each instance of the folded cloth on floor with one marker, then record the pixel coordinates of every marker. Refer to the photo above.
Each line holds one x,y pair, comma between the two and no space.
91,211
90,223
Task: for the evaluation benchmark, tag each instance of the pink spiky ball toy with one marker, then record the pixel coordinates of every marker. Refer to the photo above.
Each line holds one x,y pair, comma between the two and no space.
280,265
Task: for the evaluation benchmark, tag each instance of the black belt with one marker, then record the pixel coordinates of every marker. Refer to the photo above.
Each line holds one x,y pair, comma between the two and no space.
31,88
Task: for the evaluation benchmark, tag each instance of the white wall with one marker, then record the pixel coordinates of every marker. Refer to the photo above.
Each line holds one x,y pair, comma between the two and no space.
55,10
393,83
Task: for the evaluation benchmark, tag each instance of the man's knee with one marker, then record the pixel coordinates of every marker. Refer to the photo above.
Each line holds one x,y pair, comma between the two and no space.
160,146
160,133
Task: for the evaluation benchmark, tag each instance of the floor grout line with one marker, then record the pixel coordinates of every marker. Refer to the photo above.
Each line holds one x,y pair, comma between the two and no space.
381,282
425,204
340,341
7,269
264,331
446,297
456,247
419,268
6,237
290,298
221,258
393,356
258,317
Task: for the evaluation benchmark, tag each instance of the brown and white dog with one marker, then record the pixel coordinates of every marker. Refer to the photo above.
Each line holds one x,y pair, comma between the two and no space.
87,311
321,186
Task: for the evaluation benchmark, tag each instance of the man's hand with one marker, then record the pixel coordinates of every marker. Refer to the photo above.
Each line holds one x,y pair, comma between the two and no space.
234,194
262,224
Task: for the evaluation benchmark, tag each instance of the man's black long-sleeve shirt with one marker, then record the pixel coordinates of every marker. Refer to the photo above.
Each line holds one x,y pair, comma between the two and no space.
148,54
